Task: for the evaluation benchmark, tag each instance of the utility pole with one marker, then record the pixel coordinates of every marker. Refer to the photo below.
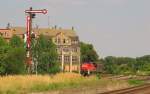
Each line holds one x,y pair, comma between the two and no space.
30,15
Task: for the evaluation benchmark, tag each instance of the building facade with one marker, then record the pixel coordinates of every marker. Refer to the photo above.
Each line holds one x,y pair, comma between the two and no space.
66,40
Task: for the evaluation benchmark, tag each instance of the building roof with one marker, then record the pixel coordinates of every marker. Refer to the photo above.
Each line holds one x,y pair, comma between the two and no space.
18,30
45,31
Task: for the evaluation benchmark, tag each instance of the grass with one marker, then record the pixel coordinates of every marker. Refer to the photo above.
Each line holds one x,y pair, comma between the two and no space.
135,82
31,83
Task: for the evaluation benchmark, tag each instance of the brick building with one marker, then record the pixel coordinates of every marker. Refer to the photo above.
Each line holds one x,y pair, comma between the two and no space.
66,40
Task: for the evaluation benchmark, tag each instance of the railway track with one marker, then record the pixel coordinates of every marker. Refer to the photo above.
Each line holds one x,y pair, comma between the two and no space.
142,89
121,77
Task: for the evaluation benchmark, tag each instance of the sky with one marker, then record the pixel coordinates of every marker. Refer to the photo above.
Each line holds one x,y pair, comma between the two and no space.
114,27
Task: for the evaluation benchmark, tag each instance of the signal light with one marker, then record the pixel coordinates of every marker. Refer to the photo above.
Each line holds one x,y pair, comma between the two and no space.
33,15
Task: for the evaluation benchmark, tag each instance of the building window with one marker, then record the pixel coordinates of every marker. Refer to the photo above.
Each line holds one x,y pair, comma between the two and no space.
5,34
74,40
1,34
74,59
66,49
66,59
59,40
74,49
59,58
64,40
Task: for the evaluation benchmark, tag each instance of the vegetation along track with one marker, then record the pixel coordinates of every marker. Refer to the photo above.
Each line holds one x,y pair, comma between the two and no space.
142,89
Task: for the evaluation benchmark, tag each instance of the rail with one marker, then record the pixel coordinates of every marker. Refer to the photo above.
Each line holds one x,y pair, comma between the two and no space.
131,90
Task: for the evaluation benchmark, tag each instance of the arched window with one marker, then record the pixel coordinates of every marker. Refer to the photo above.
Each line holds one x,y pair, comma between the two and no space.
64,40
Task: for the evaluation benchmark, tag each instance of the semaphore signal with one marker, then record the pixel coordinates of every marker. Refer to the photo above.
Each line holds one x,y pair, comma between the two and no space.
31,14
44,11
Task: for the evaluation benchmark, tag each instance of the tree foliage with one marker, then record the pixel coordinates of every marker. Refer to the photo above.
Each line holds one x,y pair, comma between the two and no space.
12,56
15,62
16,42
4,51
126,65
44,52
143,63
88,53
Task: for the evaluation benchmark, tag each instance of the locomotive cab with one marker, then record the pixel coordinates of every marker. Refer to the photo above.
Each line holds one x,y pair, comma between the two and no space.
87,68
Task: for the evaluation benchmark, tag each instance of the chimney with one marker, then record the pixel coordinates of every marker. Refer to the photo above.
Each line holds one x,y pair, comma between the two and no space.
55,27
72,28
8,26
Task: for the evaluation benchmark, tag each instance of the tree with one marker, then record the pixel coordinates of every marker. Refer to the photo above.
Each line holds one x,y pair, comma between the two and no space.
88,53
4,50
110,65
15,61
143,63
44,52
120,65
16,42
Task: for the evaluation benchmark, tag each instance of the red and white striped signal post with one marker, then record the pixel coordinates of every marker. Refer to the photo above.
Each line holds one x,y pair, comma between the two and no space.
30,15
44,11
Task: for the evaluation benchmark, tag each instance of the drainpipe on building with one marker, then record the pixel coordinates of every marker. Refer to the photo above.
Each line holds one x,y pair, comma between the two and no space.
79,67
71,61
62,61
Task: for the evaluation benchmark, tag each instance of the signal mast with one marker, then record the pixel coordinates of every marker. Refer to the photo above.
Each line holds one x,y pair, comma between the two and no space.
30,15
